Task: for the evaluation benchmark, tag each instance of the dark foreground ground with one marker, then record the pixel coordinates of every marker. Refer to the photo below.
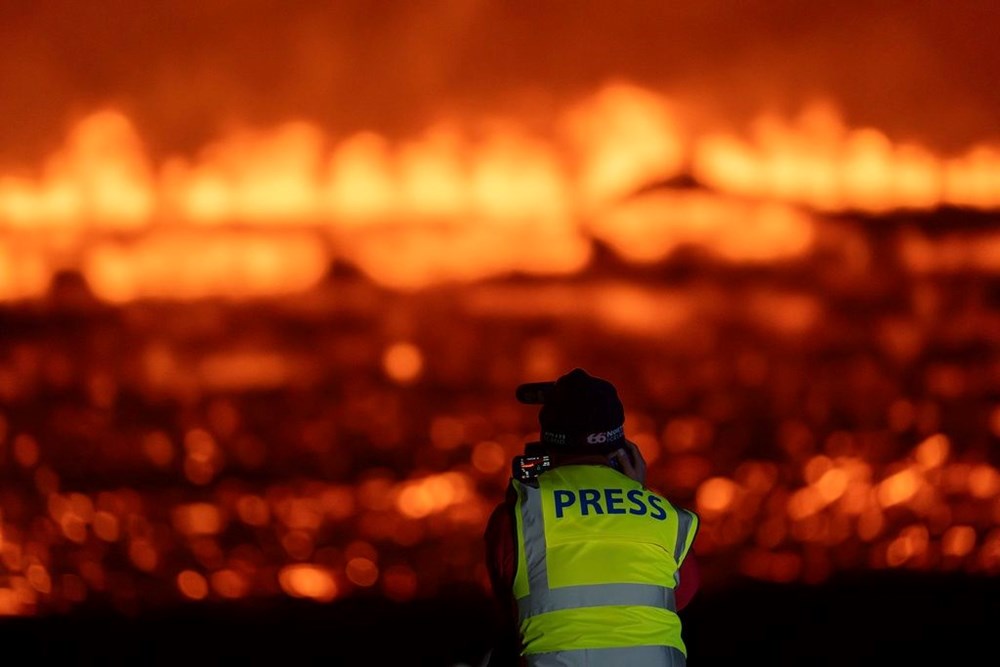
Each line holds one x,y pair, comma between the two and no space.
878,619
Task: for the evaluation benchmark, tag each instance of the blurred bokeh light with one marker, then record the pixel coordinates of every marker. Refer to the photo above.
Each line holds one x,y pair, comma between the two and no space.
280,360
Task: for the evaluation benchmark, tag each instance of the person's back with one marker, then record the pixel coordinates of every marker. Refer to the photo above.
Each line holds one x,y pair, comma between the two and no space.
587,559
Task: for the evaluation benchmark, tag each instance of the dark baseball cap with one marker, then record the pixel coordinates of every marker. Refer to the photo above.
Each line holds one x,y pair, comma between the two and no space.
578,410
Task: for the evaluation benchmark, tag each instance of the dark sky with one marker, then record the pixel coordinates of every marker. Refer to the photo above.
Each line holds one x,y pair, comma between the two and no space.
187,69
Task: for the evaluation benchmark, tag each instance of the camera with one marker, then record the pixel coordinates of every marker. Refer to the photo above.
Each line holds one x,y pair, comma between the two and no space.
528,466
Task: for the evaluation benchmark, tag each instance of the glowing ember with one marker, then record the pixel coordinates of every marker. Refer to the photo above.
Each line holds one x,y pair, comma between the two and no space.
308,581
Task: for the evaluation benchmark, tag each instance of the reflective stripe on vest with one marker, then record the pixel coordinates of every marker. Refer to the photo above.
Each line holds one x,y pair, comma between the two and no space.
610,592
572,597
686,529
634,656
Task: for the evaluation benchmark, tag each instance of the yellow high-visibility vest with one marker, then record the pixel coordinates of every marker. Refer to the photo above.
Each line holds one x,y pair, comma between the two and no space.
597,564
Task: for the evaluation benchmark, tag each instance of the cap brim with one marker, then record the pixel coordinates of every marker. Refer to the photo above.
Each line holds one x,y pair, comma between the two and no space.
533,393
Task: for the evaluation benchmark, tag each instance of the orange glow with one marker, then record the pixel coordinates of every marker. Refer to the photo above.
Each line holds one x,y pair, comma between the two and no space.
716,494
856,498
243,370
237,264
101,174
158,449
377,525
649,228
361,549
337,502
771,532
805,503
956,477
958,541
403,362
989,554
26,595
199,465
39,579
995,421
832,484
81,506
200,445
432,494
787,313
362,571
816,468
192,585
250,176
984,481
73,528
106,526
898,488
24,272
626,137
627,308
447,432
361,186
784,567
960,252
299,513
93,573
813,527
26,451
12,555
73,588
58,506
686,434
198,472
309,581
374,493
399,582
489,457
870,524
267,210
10,604
820,162
757,476
229,583
901,414
208,552
253,510
648,446
687,472
46,480
933,451
198,519
143,555
515,180
912,541
224,417
343,426
298,544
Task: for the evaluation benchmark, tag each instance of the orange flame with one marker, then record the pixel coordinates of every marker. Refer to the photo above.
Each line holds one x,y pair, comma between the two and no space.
820,162
263,213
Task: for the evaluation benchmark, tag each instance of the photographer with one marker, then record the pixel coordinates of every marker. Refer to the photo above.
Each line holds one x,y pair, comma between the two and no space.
589,566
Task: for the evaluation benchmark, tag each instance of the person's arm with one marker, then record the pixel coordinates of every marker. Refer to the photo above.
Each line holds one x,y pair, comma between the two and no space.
689,581
501,562
633,465
631,462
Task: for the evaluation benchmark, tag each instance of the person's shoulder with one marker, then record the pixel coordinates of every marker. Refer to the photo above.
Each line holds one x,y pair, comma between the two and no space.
503,508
